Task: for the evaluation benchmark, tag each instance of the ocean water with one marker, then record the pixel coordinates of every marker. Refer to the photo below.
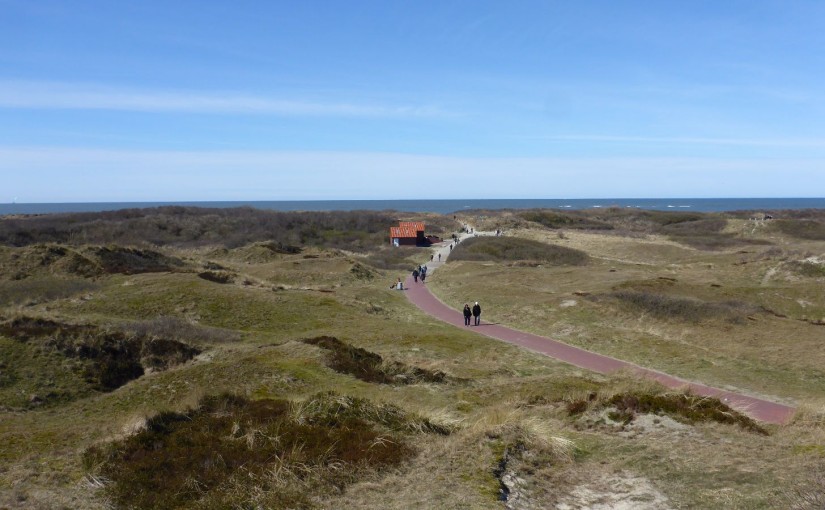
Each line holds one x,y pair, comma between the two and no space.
447,206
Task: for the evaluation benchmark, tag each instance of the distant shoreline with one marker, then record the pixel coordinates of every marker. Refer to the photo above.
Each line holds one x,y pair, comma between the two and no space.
443,206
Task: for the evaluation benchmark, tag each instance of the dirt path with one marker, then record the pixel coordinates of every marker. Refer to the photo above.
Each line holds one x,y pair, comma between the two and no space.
419,295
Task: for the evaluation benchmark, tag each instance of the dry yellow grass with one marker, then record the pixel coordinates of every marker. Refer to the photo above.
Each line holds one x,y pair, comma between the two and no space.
502,402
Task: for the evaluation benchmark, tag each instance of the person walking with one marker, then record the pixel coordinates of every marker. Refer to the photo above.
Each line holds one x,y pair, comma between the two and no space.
415,275
467,314
439,256
477,313
423,276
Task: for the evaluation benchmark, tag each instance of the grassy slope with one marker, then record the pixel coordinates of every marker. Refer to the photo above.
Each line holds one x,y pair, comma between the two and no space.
502,396
763,354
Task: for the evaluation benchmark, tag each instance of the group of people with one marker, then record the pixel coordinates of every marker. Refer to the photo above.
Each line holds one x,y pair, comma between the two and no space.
474,312
420,272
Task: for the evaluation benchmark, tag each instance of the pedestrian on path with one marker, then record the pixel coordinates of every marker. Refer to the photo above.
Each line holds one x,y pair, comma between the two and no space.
431,257
467,314
477,313
415,275
439,256
423,275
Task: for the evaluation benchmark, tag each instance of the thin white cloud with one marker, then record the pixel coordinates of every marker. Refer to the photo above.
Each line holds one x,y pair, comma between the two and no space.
752,142
66,96
57,174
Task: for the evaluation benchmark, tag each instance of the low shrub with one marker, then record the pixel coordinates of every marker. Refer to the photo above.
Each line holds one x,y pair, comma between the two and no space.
230,452
106,359
685,407
359,231
813,230
392,257
217,276
500,249
713,242
369,366
688,407
807,268
696,227
180,329
117,259
663,306
33,291
554,219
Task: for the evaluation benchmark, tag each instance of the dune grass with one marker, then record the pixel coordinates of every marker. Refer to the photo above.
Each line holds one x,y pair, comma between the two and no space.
500,249
250,420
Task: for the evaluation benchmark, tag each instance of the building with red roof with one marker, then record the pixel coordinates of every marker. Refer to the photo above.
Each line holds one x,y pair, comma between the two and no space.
408,233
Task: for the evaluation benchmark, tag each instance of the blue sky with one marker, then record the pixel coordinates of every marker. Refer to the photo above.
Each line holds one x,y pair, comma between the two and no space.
269,100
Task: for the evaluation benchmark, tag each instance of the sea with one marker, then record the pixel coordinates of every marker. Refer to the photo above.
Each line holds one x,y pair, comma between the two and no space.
443,206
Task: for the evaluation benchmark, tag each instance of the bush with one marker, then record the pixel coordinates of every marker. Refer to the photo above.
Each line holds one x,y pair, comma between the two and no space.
554,219
685,309
116,259
802,229
182,330
217,276
359,231
392,257
231,452
33,291
807,268
691,408
685,407
499,249
369,366
106,359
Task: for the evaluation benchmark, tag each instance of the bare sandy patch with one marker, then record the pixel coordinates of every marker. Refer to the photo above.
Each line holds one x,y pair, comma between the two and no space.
615,491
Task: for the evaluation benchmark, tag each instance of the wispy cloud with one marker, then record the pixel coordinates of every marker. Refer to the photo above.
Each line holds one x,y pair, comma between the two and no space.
55,174
753,142
68,96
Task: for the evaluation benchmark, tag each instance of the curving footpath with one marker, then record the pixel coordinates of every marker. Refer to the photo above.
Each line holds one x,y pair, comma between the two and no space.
757,408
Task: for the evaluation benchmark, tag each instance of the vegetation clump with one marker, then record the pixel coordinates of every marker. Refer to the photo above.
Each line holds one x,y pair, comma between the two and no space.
362,272
692,310
233,452
32,291
106,359
181,330
572,221
685,407
808,268
217,276
371,367
117,259
499,249
808,229
197,226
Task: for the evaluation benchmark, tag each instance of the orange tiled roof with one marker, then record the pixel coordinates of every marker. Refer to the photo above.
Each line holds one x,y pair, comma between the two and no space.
418,226
403,231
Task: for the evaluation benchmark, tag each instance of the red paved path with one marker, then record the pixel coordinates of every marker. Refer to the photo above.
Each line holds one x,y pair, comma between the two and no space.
763,410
